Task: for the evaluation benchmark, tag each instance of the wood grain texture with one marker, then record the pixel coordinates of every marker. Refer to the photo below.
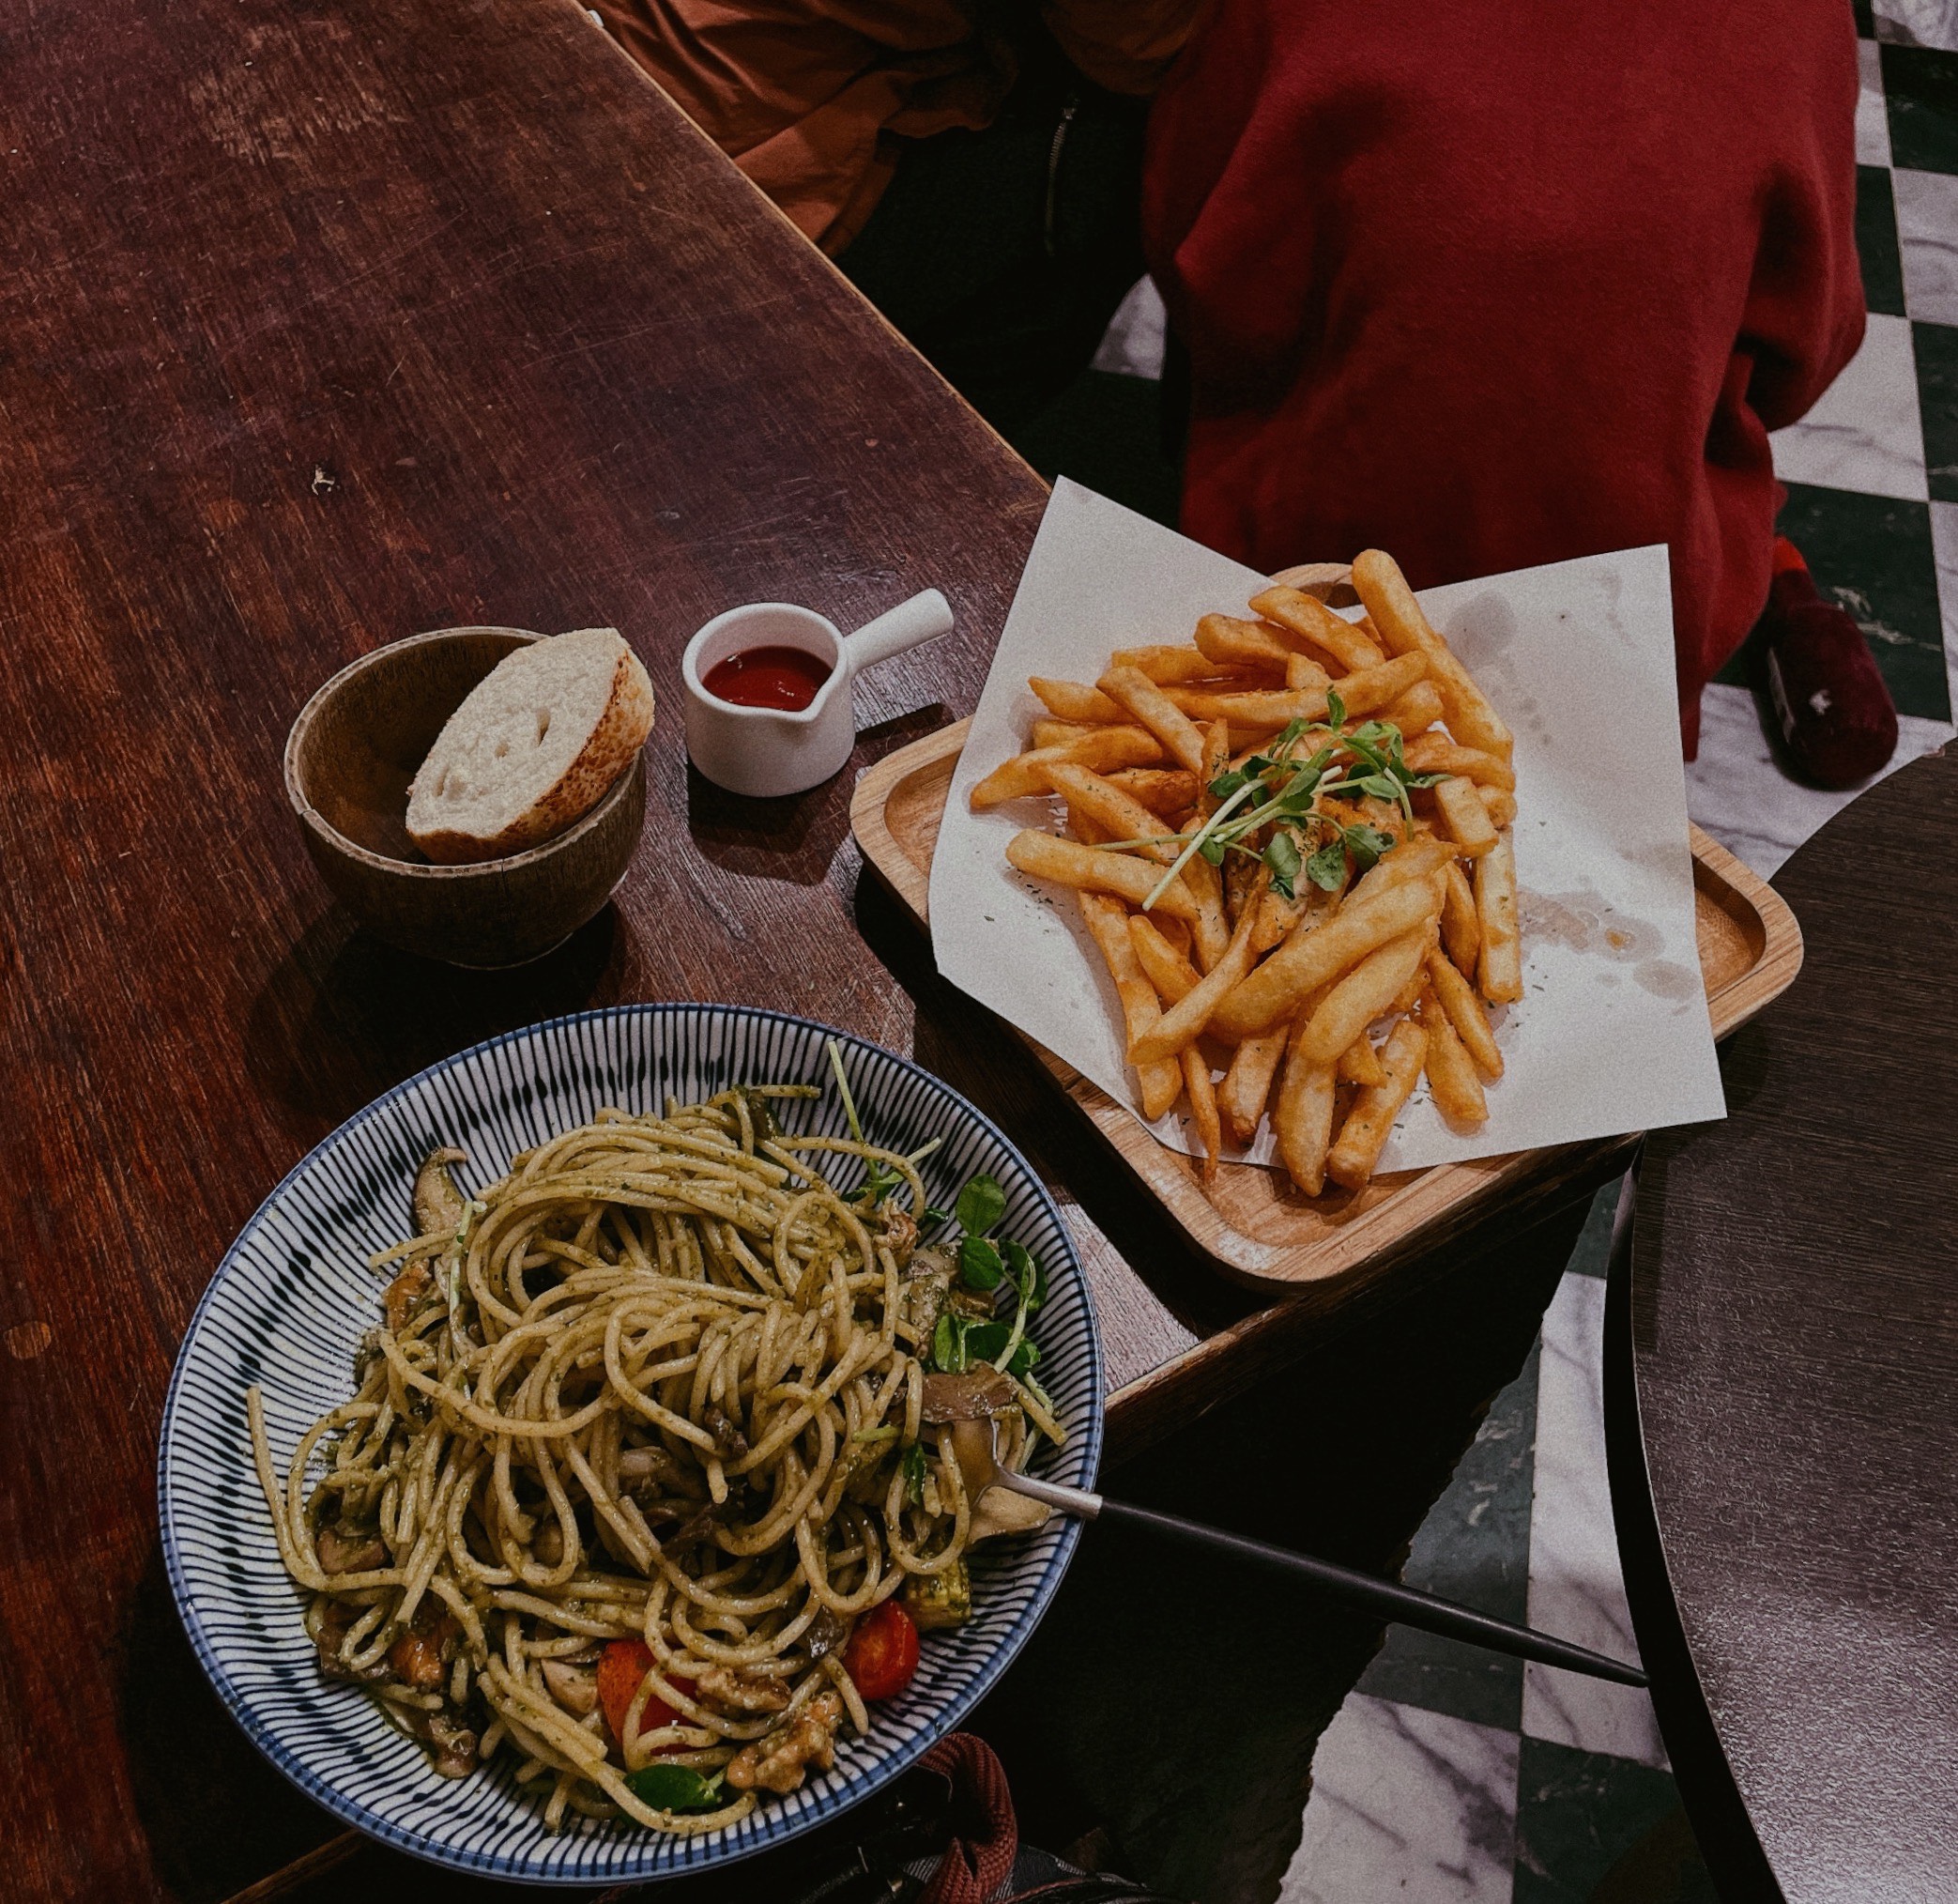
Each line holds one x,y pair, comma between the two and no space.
1793,1327
1250,1222
320,325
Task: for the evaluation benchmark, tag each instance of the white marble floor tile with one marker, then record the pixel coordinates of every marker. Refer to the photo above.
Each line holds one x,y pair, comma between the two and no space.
1873,121
1944,540
1408,1805
1865,434
1738,791
1927,231
1133,342
1917,22
1577,1590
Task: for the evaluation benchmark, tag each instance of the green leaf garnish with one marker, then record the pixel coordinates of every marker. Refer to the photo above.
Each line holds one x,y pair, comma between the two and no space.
980,1206
674,1788
1326,868
912,1468
948,1345
1335,709
1283,857
979,1265
1029,1274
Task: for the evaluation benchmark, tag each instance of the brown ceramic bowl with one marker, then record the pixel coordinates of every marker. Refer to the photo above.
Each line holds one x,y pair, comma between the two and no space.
349,761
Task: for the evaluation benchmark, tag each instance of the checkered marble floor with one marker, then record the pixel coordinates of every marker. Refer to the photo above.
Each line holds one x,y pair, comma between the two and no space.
1451,1777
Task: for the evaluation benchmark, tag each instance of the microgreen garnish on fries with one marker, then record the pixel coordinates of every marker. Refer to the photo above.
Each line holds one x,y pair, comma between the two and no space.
1290,842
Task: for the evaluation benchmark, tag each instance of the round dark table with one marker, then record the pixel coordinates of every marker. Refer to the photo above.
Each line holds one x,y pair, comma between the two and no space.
1782,1390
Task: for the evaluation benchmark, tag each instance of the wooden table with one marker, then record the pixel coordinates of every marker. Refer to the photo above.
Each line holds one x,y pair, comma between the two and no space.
1785,1349
320,324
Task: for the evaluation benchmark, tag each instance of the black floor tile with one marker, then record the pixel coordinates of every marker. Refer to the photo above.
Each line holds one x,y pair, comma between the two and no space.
1921,87
1865,24
1106,431
1936,346
1873,555
1474,1547
1877,241
1590,1828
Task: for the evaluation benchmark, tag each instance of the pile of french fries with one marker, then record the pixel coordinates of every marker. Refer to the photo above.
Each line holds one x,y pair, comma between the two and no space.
1291,841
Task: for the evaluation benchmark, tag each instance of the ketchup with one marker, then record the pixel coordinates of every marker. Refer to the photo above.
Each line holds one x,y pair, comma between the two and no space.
768,677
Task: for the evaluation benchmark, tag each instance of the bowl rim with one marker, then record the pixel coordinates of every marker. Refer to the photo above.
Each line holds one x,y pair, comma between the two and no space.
316,822
875,1777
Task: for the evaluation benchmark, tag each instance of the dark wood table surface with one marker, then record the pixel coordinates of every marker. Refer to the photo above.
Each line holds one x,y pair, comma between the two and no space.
1784,1356
321,324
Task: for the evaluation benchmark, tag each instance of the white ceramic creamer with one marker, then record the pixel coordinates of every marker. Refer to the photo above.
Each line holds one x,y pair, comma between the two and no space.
765,751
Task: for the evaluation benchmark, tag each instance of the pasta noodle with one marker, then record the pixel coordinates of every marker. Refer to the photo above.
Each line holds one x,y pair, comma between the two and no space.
664,1382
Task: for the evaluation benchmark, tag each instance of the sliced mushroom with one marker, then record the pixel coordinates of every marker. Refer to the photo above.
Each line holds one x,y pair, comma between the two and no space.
440,1207
405,1294
972,1396
576,1692
731,1444
342,1552
454,1746
1003,1512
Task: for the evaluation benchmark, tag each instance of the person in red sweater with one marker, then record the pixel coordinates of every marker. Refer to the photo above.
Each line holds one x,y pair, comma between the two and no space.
1497,283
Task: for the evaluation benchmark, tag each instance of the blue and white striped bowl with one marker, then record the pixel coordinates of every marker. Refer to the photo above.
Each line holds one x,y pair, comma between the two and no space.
293,1297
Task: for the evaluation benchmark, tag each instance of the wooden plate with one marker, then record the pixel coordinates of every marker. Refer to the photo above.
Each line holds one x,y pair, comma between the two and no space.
1252,1222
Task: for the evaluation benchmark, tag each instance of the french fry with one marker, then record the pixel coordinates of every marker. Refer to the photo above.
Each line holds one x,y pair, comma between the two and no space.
1210,928
1499,963
1303,1118
1464,815
1203,1109
1372,688
1185,1020
1068,863
1457,999
1107,921
1247,1083
1103,749
1231,642
1119,816
1360,997
1170,667
1405,629
1163,790
1255,710
1054,733
1150,705
1075,701
1364,1134
1300,614
1301,671
1462,930
1410,994
1458,1092
1436,754
1217,756
1416,712
1501,803
1359,1063
1163,964
1418,859
1312,957
1276,916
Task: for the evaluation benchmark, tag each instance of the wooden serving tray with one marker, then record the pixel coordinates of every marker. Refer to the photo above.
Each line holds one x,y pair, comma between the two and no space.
1251,1222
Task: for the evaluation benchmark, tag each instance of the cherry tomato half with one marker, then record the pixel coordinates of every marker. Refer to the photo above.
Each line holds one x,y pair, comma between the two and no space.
621,1667
882,1654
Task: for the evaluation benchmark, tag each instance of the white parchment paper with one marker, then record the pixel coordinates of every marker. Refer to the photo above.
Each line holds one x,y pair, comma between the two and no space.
1611,1033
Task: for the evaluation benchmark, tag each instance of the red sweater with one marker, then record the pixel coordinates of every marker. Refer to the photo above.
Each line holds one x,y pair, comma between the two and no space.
1494,283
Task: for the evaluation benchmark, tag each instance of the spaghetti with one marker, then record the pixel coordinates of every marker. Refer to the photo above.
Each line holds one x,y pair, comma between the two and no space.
662,1384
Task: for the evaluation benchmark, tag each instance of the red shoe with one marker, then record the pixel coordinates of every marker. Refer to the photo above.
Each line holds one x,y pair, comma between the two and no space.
1832,712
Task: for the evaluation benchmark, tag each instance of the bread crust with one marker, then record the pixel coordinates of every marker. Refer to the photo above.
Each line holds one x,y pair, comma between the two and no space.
620,733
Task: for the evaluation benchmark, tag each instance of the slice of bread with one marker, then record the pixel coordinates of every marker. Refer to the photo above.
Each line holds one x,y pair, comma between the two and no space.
533,748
